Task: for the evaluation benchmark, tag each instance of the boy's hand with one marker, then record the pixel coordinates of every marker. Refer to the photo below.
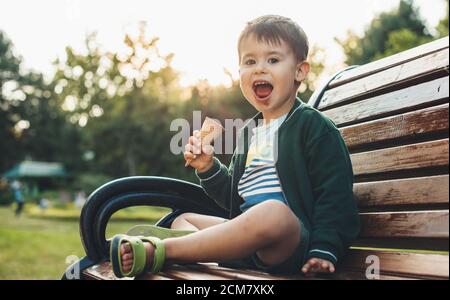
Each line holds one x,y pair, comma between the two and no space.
317,265
200,158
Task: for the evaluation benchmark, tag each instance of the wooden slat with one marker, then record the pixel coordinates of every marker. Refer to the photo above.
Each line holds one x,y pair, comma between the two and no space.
422,155
410,224
413,69
408,99
202,271
100,271
393,265
409,125
361,275
103,271
400,263
412,244
402,192
390,61
186,273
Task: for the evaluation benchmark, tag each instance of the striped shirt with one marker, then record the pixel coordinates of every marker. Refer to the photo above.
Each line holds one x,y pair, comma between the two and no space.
260,181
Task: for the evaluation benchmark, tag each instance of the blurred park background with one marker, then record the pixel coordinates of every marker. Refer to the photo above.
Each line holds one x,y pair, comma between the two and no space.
100,114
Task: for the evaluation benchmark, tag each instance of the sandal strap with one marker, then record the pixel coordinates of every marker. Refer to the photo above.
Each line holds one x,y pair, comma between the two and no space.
159,255
139,255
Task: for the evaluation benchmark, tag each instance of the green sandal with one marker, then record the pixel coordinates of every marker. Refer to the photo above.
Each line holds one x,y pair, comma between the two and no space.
139,255
157,231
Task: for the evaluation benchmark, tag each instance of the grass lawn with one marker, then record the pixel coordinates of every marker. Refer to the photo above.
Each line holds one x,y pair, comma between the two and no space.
36,247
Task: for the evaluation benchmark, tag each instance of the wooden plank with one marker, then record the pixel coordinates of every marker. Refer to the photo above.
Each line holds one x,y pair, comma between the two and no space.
390,61
402,192
411,98
411,244
202,271
422,155
393,265
103,271
420,67
410,224
185,273
414,265
406,126
100,271
360,275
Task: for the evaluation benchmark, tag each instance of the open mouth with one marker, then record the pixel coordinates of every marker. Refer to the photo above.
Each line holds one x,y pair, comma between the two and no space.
263,89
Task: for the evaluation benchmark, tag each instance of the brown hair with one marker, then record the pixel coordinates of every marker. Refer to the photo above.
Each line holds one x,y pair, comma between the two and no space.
274,29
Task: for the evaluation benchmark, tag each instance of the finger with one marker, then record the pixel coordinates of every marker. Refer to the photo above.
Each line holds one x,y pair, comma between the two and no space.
306,268
196,146
331,268
188,147
195,141
312,263
189,155
316,266
196,133
324,265
208,149
315,269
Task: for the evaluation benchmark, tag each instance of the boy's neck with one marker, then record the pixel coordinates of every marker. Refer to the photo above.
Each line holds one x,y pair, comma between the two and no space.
269,116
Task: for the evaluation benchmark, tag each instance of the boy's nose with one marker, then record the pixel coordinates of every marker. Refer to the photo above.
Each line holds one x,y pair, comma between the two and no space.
260,68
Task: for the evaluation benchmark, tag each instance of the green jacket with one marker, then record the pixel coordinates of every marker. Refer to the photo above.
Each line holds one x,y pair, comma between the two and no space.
315,173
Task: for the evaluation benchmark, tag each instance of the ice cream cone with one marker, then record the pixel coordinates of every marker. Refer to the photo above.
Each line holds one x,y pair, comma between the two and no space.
210,130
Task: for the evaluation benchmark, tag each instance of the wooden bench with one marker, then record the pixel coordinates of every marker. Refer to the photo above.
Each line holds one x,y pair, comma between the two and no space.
393,115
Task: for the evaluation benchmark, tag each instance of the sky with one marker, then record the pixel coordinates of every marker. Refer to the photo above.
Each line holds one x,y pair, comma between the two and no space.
202,34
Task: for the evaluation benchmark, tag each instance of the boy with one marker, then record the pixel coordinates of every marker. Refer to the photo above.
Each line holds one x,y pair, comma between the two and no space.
291,206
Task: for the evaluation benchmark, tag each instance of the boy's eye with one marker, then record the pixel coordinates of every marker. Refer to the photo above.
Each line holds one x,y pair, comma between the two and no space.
249,62
273,60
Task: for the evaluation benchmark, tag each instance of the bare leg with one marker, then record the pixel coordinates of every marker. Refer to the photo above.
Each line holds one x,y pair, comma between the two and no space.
192,221
270,229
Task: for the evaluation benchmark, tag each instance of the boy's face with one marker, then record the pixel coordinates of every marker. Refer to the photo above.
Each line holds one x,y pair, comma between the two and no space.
269,76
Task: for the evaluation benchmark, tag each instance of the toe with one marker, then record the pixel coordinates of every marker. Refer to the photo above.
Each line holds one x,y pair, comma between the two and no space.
127,262
127,256
127,268
124,248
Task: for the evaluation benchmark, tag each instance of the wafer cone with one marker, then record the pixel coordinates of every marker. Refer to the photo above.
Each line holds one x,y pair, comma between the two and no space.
210,130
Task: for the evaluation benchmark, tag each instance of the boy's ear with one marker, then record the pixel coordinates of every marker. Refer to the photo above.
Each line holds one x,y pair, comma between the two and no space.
301,71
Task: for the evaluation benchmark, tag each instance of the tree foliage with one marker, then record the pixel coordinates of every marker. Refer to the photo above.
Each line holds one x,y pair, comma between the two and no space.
388,33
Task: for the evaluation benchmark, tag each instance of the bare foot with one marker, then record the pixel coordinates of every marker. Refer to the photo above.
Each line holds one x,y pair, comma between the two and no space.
317,265
127,255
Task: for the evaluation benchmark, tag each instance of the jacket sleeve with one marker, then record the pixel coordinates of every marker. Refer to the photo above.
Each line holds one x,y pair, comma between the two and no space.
216,182
335,221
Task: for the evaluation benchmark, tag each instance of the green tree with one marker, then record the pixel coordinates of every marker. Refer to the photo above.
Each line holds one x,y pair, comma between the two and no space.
442,27
123,103
31,123
388,33
316,61
9,115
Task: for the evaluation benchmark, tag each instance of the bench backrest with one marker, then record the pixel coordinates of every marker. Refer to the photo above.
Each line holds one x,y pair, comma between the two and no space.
393,115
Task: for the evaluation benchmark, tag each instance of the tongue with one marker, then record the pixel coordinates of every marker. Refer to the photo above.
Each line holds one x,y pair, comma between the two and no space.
263,90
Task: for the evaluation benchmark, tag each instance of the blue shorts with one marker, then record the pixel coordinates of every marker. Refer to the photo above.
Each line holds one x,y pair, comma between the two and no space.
256,199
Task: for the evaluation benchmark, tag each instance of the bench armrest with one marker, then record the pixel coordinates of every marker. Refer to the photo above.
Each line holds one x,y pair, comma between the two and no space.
179,195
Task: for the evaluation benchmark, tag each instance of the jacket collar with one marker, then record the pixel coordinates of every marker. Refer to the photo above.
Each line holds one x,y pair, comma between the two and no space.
297,103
